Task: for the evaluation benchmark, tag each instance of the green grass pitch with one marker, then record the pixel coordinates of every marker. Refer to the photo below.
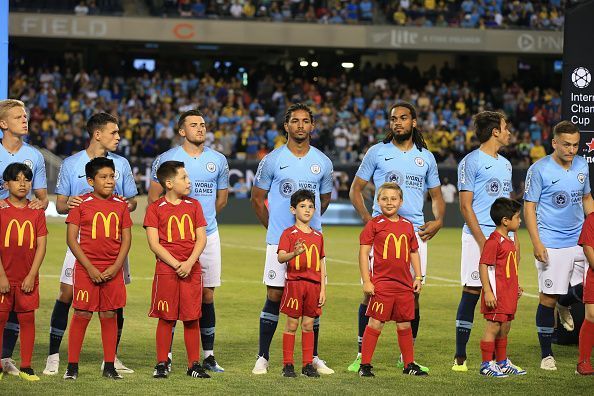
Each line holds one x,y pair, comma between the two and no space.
240,300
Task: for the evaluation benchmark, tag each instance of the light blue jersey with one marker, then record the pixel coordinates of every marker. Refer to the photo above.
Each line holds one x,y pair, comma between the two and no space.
209,172
72,180
29,156
281,173
415,171
558,195
488,178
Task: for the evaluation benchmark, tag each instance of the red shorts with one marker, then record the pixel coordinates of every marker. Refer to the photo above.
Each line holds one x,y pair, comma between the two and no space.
391,305
89,296
499,317
301,298
174,298
18,301
588,286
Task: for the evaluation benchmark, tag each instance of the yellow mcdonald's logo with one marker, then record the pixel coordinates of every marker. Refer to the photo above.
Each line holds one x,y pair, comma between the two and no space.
106,224
378,307
1,299
308,255
20,233
163,306
180,227
511,256
82,295
293,303
397,243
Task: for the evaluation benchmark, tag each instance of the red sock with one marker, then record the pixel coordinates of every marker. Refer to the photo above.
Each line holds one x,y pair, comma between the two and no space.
487,349
405,342
27,323
109,337
192,340
307,346
586,340
370,337
76,335
3,320
288,348
500,349
164,336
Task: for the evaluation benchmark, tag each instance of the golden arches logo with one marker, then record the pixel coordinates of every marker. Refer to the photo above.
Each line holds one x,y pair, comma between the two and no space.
82,295
293,303
106,224
511,256
397,245
180,227
20,233
163,306
1,298
308,255
378,307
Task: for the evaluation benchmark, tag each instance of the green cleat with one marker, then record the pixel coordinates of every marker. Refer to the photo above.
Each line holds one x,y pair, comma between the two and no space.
354,367
400,365
460,368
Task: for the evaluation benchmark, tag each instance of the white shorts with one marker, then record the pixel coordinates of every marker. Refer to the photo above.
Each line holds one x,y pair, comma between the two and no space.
274,272
565,267
68,269
469,262
210,261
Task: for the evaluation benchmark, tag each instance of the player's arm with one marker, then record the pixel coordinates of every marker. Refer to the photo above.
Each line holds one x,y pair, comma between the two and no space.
364,251
259,206
155,191
186,266
415,260
438,207
588,204
65,203
324,202
221,201
113,269
41,199
72,240
29,281
490,299
540,251
4,284
152,235
322,299
356,197
589,253
470,217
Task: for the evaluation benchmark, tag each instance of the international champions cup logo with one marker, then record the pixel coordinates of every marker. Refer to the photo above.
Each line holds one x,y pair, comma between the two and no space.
106,224
581,77
180,227
512,256
378,307
308,255
397,245
20,233
82,295
163,306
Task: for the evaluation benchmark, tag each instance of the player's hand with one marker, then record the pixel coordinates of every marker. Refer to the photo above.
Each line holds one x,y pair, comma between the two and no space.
95,275
490,300
4,284
417,286
520,291
184,269
540,253
73,202
299,247
369,288
36,204
109,272
28,283
322,299
429,229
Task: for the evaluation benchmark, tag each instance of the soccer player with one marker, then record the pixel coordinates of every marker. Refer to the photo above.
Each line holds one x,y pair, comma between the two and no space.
14,126
289,168
390,239
402,158
209,172
483,176
176,232
24,235
498,271
586,343
99,236
71,186
556,198
305,292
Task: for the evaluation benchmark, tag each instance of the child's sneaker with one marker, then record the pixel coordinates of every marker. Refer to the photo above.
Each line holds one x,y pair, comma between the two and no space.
27,374
310,371
365,370
354,367
507,367
414,369
491,369
197,371
71,371
400,365
289,371
584,368
160,370
459,367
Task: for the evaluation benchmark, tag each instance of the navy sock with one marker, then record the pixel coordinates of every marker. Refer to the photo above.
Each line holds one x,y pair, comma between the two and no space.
464,320
363,320
545,322
316,330
207,326
268,323
58,324
120,320
414,324
574,294
11,334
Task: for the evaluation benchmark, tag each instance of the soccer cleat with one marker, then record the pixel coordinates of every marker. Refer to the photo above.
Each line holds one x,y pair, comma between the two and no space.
320,366
119,366
160,370
112,373
28,375
210,363
71,371
310,371
365,370
197,371
507,367
9,366
289,371
565,317
548,363
460,368
261,366
584,368
354,367
400,365
491,369
52,364
414,369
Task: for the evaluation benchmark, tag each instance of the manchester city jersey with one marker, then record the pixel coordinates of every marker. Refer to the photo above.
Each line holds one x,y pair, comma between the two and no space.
209,172
415,171
281,173
29,156
488,178
558,194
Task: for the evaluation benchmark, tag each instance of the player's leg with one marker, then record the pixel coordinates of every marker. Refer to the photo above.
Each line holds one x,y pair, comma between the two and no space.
488,366
163,337
307,346
504,363
210,260
76,335
192,341
370,336
119,366
586,342
27,322
575,292
11,335
3,320
403,312
291,327
362,324
423,256
109,338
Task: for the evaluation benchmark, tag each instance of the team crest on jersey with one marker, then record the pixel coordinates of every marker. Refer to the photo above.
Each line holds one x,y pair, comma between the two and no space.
68,272
315,169
475,275
117,175
395,177
29,163
581,178
548,283
419,161
493,187
211,167
271,274
287,187
560,199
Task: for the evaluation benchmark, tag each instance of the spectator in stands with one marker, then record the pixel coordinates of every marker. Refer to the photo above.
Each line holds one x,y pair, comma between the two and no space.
240,189
448,191
537,151
81,9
